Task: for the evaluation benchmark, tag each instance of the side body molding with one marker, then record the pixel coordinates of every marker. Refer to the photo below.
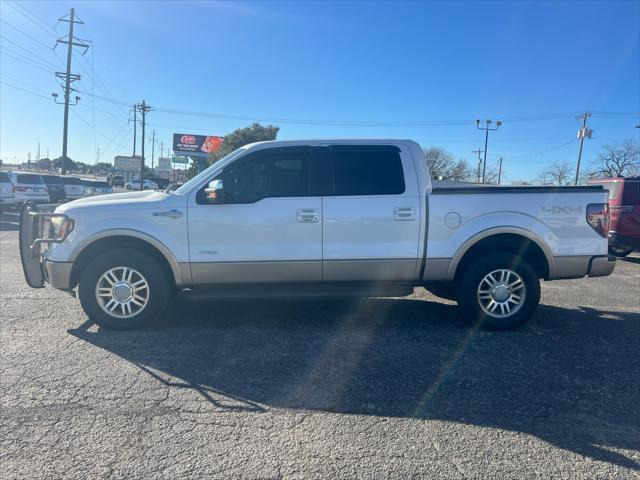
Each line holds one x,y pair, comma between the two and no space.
181,271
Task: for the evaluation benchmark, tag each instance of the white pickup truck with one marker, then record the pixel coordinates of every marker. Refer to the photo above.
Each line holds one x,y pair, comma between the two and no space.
311,218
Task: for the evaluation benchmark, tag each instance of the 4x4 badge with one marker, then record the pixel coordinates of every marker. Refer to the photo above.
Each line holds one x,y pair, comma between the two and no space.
171,214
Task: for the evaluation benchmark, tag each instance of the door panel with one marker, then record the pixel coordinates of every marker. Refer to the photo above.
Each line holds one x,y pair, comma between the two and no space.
262,241
371,228
260,224
364,241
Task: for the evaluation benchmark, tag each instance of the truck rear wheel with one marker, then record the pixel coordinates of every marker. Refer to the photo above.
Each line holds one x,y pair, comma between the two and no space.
123,289
498,292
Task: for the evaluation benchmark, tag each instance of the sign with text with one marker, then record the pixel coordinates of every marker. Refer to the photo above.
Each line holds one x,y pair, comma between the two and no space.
127,164
195,145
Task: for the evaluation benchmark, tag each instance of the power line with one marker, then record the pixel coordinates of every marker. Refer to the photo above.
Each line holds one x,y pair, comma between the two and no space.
26,34
31,64
41,59
21,9
25,90
528,155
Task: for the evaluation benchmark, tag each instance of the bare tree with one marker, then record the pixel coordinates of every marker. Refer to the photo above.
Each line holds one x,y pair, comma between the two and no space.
618,160
557,174
443,166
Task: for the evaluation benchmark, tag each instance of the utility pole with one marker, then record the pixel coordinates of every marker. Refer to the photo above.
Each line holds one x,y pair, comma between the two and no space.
162,149
500,171
98,155
48,153
135,128
153,147
582,133
38,154
487,128
144,109
68,77
478,171
29,160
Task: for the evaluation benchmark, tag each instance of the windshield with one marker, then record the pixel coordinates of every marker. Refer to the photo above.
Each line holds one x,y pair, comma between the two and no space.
205,173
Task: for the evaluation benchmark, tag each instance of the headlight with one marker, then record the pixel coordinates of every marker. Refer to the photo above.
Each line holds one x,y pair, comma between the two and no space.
62,226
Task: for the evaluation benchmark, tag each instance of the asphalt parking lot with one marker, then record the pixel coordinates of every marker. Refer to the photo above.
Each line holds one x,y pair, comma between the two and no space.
377,388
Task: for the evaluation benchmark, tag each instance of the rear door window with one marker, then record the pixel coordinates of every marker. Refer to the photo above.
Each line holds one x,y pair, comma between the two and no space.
29,179
631,193
367,170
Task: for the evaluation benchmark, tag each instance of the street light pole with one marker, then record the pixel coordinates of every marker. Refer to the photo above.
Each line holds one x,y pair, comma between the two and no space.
487,128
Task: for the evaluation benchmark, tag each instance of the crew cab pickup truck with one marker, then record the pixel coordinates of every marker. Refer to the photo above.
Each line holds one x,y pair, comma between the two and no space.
312,218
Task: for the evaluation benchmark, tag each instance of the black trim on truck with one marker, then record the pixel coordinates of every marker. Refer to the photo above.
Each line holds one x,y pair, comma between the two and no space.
496,189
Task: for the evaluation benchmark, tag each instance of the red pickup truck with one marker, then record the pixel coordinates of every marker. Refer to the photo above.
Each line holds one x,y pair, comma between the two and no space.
624,204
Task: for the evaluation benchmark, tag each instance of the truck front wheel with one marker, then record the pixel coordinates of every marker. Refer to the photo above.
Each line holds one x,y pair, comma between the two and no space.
123,289
499,291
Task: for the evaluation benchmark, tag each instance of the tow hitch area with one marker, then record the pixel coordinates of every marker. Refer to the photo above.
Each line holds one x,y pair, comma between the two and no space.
37,227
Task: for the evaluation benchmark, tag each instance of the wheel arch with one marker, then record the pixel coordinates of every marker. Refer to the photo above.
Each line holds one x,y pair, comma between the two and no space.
515,240
124,238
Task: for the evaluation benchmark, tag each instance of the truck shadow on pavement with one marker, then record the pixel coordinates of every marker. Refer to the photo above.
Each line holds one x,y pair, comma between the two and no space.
570,378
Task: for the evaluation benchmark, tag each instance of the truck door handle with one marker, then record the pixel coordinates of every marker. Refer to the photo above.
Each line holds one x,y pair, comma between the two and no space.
307,215
404,214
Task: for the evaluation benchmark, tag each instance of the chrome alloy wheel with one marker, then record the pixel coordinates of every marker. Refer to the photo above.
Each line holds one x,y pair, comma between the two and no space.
122,292
501,293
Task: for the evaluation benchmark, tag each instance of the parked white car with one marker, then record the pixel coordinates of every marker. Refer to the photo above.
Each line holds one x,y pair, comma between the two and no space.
135,185
325,217
96,187
7,196
73,188
29,187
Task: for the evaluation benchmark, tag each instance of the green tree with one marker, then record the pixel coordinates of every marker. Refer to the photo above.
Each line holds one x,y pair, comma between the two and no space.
243,136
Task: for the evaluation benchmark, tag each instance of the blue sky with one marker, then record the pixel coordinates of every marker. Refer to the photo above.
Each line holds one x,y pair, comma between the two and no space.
380,62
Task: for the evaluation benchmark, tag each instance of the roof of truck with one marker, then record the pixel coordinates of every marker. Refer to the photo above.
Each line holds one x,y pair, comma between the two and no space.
333,141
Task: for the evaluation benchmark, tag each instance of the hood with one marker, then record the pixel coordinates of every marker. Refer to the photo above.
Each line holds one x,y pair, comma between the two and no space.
127,200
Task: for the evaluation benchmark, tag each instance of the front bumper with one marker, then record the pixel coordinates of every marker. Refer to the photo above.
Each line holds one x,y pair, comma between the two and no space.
602,266
57,274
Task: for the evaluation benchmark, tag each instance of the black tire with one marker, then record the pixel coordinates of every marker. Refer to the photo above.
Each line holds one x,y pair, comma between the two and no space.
469,281
620,251
159,288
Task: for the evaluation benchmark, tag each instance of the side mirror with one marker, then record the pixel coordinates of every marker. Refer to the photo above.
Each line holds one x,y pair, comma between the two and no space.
215,191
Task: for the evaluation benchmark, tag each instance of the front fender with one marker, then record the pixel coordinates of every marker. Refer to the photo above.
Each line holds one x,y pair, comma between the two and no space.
167,235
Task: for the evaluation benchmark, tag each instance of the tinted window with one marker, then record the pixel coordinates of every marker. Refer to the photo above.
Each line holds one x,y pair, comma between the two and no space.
374,171
4,178
52,179
631,193
277,175
101,185
71,181
29,179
